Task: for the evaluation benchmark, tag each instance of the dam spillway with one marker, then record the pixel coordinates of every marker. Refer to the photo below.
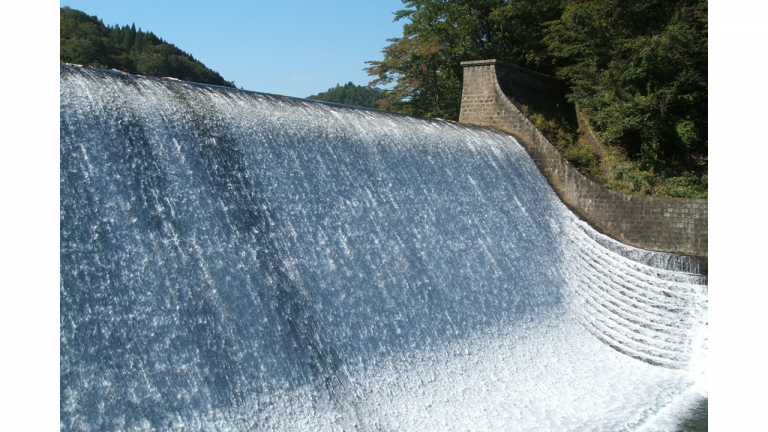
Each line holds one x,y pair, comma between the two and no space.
232,260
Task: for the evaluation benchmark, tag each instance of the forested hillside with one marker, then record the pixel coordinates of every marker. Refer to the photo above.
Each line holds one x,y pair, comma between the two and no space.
637,70
86,40
350,94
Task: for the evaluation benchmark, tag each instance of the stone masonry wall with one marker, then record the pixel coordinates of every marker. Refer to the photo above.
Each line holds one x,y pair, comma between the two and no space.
492,96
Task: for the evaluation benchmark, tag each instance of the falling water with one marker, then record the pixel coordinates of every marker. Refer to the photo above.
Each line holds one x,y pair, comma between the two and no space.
233,260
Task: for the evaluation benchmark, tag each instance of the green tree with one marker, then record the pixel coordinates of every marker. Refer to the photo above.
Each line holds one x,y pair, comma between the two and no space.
639,72
86,40
425,63
83,39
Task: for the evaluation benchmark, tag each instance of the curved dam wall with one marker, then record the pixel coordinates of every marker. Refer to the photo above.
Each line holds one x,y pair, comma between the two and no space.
493,94
231,260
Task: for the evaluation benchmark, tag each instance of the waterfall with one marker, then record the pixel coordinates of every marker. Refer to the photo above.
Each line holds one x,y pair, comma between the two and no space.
232,260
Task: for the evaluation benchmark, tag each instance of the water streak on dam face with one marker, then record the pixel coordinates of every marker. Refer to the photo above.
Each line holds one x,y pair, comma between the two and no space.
241,261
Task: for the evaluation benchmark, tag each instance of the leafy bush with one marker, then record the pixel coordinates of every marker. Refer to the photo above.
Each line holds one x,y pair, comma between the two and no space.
629,177
565,137
580,154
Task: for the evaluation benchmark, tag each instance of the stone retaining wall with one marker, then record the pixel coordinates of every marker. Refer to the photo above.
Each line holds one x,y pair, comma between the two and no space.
493,95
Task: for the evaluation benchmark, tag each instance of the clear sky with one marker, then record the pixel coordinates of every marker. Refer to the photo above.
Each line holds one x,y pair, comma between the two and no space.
292,47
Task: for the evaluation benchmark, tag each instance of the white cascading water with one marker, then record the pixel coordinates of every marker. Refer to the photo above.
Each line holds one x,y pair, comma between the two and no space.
233,260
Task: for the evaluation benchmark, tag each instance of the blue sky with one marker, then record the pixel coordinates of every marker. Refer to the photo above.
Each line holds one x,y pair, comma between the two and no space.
292,47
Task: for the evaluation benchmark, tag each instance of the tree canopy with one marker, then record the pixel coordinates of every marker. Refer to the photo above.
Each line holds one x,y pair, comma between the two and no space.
350,94
425,62
637,70
86,40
